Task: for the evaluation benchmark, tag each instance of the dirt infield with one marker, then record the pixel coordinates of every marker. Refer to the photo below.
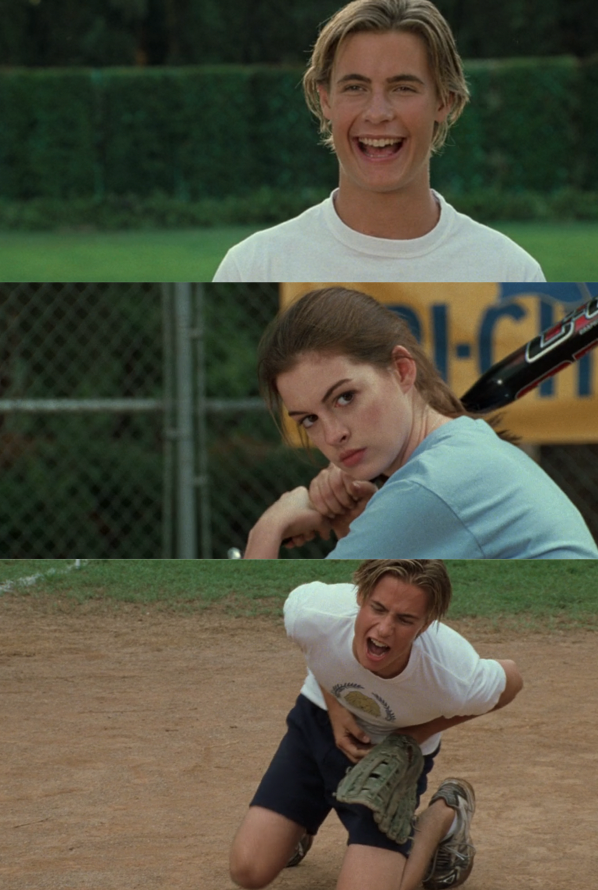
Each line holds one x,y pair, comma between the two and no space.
133,739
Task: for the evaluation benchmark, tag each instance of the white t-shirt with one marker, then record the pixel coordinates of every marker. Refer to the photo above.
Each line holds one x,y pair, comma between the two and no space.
445,676
318,246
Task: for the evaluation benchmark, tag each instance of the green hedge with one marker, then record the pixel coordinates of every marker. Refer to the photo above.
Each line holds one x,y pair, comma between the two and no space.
588,122
197,133
163,129
268,206
520,130
48,134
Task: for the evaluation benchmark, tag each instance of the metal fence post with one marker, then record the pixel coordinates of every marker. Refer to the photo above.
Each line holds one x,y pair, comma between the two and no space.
186,508
203,478
169,431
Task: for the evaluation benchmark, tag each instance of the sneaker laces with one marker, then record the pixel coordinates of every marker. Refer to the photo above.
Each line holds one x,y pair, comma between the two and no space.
447,853
449,857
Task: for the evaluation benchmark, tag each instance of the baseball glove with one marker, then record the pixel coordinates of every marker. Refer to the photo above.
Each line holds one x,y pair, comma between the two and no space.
385,780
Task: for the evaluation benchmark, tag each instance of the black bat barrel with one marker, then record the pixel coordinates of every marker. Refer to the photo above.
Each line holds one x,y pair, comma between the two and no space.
545,355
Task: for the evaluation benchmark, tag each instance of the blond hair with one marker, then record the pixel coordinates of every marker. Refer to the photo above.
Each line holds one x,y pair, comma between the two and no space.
419,17
430,575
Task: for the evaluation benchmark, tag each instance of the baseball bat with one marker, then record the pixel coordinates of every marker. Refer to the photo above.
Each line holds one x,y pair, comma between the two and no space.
554,349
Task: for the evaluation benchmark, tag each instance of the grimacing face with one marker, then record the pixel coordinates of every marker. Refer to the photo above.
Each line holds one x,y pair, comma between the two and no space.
387,624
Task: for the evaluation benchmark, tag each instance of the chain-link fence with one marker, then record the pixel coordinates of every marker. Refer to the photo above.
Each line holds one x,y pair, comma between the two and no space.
80,476
131,425
130,422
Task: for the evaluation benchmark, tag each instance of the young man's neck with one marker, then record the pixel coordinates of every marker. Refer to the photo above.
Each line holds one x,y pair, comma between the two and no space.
400,215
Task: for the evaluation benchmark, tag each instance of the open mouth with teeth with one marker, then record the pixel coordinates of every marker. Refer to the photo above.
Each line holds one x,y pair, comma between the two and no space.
380,148
376,649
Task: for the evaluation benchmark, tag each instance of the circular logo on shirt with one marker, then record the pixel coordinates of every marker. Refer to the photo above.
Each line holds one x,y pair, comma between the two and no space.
373,705
363,703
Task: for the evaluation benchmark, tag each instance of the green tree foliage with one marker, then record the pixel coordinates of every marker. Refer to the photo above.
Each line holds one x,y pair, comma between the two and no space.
190,32
506,29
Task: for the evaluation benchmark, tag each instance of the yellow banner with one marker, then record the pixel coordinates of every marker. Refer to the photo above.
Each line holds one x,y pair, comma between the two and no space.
466,328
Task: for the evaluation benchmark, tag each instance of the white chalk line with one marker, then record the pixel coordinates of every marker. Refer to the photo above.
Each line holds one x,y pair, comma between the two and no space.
30,580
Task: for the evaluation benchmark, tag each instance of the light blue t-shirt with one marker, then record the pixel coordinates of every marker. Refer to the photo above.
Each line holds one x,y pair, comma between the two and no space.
467,494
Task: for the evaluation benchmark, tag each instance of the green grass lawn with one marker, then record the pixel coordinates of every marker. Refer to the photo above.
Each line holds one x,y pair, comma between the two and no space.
566,252
537,594
165,255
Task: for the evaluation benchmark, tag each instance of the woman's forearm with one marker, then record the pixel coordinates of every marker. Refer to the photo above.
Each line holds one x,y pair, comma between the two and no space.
291,516
264,540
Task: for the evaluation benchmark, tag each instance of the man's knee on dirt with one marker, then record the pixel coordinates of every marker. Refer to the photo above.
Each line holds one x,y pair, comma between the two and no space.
249,870
247,873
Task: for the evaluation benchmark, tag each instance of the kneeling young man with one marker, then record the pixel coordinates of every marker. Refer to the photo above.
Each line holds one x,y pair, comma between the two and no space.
379,662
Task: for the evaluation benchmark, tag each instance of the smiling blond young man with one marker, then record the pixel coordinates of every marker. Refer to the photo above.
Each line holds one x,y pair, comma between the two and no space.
379,662
386,83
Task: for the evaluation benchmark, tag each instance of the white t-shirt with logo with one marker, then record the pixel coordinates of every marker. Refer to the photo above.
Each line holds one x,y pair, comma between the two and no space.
317,246
445,676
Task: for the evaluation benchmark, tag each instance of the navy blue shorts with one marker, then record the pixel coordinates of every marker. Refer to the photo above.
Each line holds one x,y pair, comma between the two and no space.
305,772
